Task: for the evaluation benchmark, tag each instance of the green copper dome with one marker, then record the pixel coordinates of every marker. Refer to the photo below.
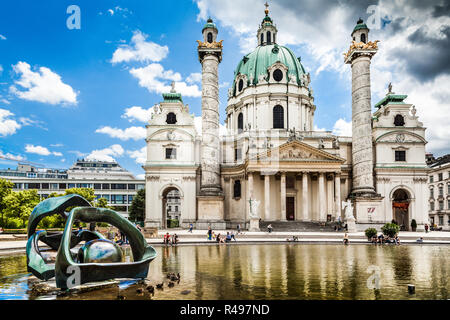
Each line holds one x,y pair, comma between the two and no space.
256,63
360,25
209,24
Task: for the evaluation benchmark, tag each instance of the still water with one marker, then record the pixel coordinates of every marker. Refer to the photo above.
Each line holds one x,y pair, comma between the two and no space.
291,271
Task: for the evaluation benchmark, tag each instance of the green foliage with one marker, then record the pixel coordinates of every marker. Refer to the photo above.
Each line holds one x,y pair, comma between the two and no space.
390,229
13,223
137,208
413,224
5,189
370,232
102,203
173,223
55,221
21,204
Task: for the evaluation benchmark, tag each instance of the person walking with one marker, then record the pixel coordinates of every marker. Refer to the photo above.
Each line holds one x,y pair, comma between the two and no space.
209,233
269,228
191,226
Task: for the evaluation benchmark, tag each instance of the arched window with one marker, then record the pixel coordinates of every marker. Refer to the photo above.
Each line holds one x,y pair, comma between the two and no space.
269,37
237,189
399,121
363,38
240,122
278,117
240,85
210,37
171,118
262,38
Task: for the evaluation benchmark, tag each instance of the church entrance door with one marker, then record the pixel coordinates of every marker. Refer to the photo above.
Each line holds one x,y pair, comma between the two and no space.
400,208
290,208
171,208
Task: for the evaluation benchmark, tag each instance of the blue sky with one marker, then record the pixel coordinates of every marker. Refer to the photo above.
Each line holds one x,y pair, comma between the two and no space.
60,88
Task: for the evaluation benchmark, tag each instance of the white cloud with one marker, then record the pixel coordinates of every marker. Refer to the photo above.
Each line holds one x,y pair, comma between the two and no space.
343,128
138,113
106,154
5,101
316,128
11,156
8,126
135,133
2,37
140,176
140,50
43,151
111,11
156,79
1,69
57,145
139,155
194,78
43,86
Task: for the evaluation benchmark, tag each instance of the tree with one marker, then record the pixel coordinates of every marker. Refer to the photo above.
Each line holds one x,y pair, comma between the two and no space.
20,204
102,203
137,208
390,229
5,189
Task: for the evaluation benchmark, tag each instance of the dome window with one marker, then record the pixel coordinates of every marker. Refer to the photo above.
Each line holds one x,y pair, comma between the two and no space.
241,85
278,75
399,121
171,118
240,122
210,37
278,117
269,37
363,38
262,38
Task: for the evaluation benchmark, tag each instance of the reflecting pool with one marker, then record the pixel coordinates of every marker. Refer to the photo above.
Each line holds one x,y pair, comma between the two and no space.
274,271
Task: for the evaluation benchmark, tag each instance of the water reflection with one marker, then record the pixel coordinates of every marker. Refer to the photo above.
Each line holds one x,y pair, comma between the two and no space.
292,271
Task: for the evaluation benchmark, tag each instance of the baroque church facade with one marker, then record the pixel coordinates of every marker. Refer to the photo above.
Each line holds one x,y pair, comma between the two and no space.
271,164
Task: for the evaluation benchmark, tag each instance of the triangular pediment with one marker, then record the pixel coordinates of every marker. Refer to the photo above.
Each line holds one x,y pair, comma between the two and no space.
297,151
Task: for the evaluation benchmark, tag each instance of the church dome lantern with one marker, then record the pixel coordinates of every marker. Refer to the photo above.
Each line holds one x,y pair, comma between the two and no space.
210,31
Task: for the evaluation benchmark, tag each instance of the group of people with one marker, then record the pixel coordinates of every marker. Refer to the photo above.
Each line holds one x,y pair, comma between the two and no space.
219,238
170,239
381,239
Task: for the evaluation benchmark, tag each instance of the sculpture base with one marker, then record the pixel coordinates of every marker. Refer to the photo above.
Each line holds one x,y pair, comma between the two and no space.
210,210
254,224
351,225
368,209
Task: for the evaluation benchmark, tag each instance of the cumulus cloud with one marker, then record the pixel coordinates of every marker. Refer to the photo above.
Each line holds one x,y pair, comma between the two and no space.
8,126
106,154
140,50
10,156
343,128
43,86
2,37
140,155
43,151
138,113
134,133
194,78
156,79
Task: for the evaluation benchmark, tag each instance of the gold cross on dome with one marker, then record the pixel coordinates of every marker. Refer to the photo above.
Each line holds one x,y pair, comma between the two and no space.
267,8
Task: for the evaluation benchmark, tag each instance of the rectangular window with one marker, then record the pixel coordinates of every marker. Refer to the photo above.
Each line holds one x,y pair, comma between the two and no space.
118,186
106,196
432,206
62,186
131,187
171,153
441,191
441,205
237,154
400,155
176,208
448,204
45,186
97,186
140,186
34,186
440,176
431,179
105,186
431,193
441,220
130,199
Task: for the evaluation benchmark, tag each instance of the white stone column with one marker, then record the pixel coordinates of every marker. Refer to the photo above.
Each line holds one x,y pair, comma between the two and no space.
330,196
362,149
337,194
267,198
283,196
210,153
306,213
322,200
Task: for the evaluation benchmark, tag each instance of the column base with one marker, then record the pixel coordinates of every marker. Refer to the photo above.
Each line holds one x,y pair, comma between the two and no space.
254,224
210,208
214,224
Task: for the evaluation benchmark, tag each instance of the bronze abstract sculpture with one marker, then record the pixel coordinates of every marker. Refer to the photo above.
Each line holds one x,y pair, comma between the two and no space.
99,259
